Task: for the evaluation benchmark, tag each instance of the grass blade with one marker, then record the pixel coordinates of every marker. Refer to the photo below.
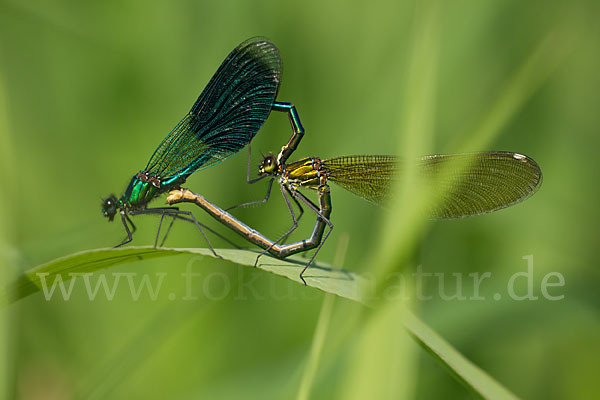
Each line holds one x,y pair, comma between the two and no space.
324,277
320,275
310,370
463,370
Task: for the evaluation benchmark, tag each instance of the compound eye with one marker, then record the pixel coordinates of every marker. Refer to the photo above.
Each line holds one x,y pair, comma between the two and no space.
269,164
109,207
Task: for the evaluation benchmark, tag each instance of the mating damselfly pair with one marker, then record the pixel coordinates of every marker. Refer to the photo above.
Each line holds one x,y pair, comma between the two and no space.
229,113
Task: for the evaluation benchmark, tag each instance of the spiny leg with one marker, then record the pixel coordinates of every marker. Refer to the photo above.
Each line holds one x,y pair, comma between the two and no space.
162,216
133,228
284,191
217,234
169,229
129,238
251,181
191,216
175,211
172,211
316,210
251,203
300,213
301,210
248,180
162,211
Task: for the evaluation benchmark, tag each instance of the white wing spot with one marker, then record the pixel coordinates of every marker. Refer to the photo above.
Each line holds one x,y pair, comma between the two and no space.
520,157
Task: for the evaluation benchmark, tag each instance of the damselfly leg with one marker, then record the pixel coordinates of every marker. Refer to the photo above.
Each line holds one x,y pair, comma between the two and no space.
125,219
323,191
253,236
175,213
284,191
320,215
286,151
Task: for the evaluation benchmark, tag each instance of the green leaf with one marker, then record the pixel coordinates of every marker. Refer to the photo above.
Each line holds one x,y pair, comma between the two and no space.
321,276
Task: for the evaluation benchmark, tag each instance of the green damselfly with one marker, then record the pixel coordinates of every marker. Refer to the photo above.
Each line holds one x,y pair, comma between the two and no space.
223,120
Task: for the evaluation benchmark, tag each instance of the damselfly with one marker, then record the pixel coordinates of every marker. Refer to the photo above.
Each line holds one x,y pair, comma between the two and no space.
466,184
224,119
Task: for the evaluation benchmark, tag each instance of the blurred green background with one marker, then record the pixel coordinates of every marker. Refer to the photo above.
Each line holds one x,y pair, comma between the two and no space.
89,89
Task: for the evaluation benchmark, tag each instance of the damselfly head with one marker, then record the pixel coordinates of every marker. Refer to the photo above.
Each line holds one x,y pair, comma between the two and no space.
109,207
268,165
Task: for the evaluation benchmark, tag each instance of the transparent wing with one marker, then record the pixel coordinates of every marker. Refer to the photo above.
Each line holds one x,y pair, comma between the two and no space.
369,177
228,113
468,184
479,183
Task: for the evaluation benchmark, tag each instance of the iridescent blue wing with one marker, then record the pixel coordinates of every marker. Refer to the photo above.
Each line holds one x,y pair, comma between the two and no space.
229,112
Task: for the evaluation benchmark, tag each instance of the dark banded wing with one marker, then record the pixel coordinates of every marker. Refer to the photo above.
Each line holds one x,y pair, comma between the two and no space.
467,184
229,112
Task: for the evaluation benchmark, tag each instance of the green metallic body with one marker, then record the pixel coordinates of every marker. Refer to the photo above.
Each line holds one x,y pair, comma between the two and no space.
142,190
